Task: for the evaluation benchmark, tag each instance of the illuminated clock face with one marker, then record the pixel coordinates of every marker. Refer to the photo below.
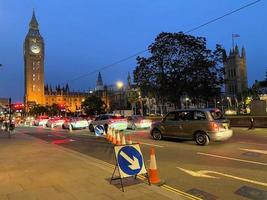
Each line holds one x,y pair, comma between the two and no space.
35,48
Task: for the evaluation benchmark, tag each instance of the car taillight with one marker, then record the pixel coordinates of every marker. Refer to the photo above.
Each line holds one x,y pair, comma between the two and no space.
215,126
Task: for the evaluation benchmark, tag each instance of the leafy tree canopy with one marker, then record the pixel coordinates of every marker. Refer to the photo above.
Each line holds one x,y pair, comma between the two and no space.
93,105
180,64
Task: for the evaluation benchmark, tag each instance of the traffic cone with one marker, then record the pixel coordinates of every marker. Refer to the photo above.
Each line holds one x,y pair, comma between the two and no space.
123,142
108,135
129,140
111,135
118,141
153,170
114,138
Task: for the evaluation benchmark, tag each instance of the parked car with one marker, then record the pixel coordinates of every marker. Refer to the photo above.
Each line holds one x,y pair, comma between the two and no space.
138,121
75,123
56,121
201,125
40,121
109,120
29,121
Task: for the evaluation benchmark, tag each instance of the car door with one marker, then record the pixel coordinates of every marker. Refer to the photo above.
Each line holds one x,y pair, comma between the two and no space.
172,125
190,122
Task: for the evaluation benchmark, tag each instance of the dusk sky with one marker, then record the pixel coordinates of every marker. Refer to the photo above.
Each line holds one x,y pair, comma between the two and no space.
83,36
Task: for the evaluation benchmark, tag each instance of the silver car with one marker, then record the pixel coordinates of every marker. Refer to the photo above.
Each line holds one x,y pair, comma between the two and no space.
201,125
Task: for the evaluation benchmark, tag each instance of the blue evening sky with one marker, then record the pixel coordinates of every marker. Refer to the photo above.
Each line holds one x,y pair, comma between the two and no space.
82,36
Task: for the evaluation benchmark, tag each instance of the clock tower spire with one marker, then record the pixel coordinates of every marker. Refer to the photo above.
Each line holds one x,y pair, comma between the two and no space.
33,65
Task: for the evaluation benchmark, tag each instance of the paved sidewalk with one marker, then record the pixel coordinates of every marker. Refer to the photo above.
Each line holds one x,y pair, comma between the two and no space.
32,169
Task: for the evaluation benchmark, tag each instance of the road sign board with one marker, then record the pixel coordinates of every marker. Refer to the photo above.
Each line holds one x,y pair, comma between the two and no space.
130,160
99,130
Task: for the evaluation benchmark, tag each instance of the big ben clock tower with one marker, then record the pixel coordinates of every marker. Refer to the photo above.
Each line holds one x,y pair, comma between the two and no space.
34,65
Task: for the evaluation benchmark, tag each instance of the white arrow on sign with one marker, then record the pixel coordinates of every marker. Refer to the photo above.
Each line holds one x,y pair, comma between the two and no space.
134,163
255,150
203,173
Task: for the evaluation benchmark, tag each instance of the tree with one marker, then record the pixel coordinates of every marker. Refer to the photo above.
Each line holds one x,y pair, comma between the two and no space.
180,64
38,110
54,110
133,98
93,105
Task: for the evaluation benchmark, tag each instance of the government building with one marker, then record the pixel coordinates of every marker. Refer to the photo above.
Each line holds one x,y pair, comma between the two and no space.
36,92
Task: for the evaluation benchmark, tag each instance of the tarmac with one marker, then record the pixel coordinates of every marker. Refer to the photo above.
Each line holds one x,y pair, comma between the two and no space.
32,169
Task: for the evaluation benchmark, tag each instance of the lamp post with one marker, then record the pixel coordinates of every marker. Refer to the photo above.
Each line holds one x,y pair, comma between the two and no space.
120,87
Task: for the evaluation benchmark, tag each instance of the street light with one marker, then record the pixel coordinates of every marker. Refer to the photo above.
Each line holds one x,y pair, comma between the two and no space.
120,86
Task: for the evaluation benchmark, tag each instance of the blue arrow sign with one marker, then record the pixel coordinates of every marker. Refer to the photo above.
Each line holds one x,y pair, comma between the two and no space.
99,130
130,160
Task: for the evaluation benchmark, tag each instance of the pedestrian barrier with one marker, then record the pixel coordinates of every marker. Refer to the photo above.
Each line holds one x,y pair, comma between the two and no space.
153,170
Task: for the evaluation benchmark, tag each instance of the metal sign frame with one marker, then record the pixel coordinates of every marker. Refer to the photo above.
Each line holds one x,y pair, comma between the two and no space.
117,167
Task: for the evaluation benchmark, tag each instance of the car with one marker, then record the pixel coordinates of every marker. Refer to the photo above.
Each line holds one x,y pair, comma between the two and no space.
108,120
75,123
56,121
138,121
40,121
29,121
201,125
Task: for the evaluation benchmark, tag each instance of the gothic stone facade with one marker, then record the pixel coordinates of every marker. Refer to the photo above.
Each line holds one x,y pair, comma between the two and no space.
235,73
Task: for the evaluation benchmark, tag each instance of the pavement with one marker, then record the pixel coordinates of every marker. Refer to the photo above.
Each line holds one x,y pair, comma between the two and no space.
33,169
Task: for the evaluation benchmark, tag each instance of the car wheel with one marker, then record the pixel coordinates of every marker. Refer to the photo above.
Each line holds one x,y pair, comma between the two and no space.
63,127
91,128
156,134
201,138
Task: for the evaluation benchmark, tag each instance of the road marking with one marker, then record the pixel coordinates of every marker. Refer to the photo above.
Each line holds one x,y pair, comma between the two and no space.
252,143
255,150
184,194
196,174
235,159
203,173
149,144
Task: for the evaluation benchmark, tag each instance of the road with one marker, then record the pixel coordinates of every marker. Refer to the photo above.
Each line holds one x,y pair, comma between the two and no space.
235,169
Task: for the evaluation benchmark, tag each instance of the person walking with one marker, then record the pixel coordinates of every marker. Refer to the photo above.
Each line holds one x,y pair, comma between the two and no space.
251,126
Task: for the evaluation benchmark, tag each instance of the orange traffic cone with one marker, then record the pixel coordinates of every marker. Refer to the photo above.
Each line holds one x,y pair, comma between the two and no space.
110,135
153,170
129,140
123,142
114,138
118,142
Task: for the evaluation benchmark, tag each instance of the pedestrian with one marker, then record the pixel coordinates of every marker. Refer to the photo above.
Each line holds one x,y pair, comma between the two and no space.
251,126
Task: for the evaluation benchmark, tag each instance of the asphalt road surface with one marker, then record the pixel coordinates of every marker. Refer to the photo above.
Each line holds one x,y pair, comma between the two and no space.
231,170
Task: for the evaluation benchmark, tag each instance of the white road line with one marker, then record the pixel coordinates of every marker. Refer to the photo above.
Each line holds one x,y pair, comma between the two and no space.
253,143
204,174
235,159
255,150
151,144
